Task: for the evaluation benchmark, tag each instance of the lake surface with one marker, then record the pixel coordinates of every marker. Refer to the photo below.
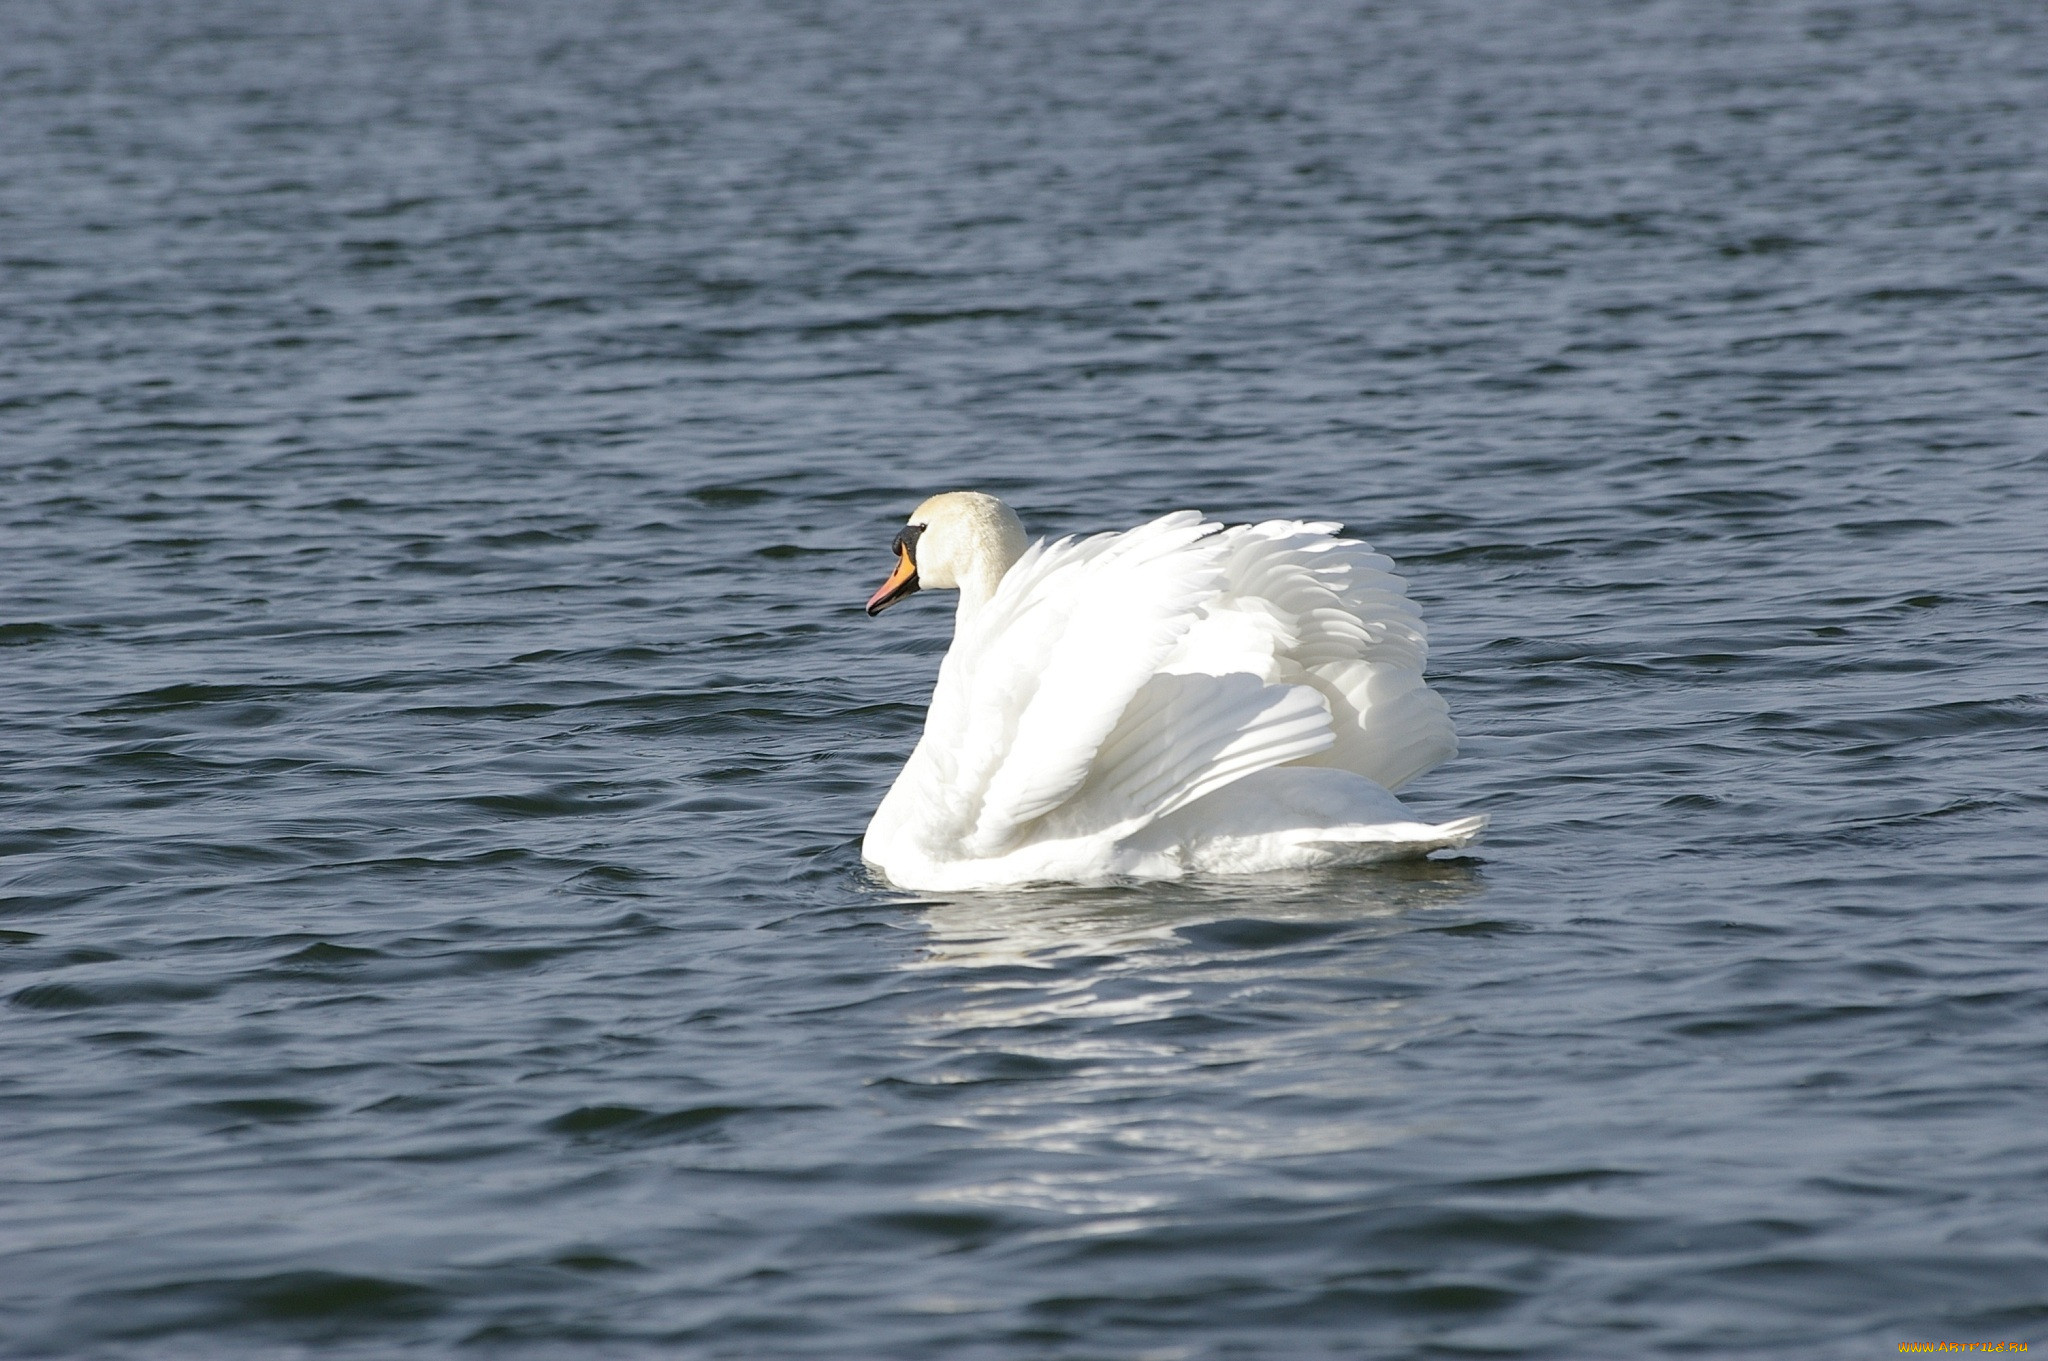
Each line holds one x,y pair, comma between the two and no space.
444,449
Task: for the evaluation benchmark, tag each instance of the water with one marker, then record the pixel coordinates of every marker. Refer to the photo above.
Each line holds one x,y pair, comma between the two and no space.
445,450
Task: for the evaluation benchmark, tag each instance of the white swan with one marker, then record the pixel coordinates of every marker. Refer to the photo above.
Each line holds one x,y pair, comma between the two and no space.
1178,698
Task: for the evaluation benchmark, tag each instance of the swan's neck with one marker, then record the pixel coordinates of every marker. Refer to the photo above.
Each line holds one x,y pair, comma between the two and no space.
977,588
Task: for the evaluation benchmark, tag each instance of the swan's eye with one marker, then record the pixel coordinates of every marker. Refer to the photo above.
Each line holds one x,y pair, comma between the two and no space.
906,541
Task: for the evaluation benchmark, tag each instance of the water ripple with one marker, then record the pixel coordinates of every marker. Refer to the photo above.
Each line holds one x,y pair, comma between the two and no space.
447,450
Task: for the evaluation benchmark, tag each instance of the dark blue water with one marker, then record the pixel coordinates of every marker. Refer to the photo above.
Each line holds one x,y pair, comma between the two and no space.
443,451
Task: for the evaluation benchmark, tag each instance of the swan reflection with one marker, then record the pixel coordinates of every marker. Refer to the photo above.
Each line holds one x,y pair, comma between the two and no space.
1107,1036
1040,928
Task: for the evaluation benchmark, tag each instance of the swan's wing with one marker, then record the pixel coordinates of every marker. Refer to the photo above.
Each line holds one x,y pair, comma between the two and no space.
1184,735
1027,697
1330,613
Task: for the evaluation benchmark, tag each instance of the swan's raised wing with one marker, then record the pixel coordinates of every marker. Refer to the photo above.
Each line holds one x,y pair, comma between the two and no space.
1058,711
1188,734
1027,696
1330,613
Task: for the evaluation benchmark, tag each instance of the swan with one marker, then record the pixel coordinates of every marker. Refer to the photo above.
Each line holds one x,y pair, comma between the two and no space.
1179,698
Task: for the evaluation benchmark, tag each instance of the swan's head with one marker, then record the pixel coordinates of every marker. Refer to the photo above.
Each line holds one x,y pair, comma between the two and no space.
958,540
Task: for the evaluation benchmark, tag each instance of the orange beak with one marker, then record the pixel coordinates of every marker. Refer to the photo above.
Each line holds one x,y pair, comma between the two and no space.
901,582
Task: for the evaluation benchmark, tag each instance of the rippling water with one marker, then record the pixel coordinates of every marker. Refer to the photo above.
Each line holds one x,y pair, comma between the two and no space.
445,447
